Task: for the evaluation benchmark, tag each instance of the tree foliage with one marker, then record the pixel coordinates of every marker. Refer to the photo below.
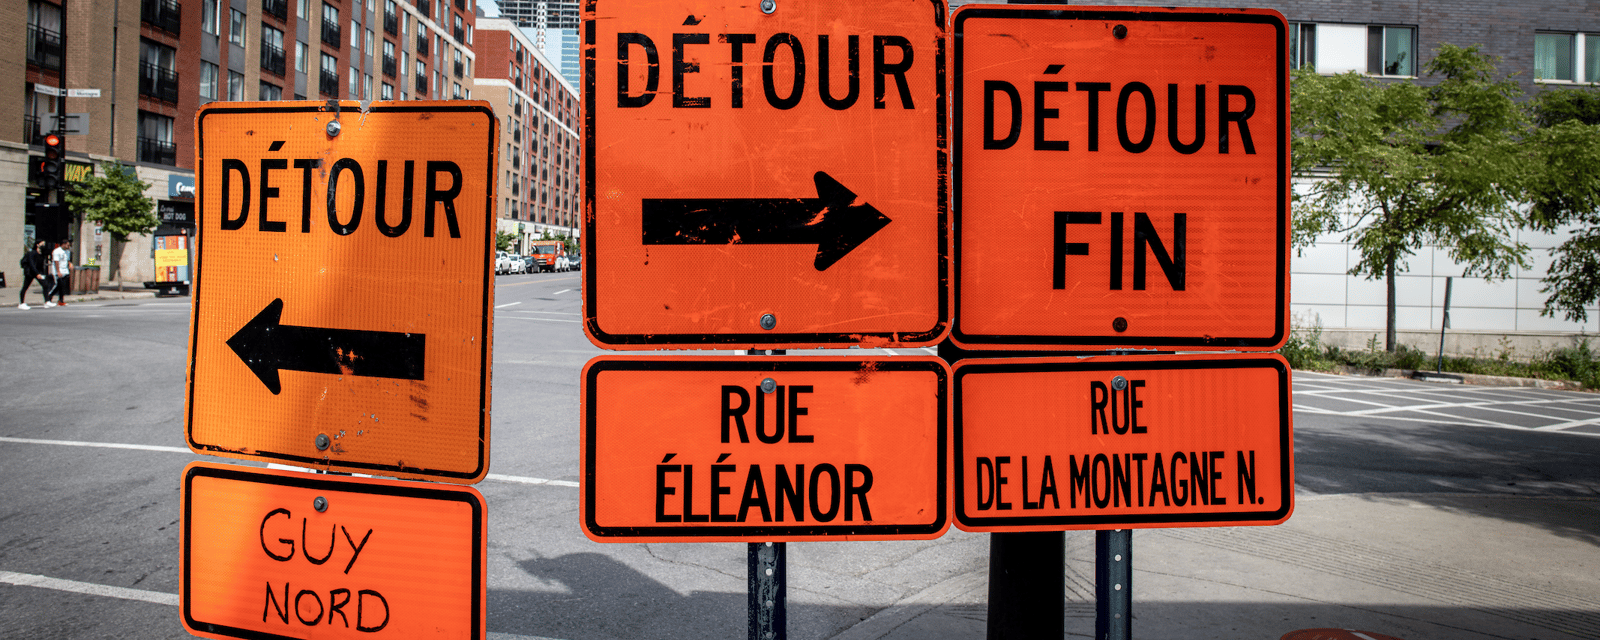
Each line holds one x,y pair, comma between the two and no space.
115,199
503,240
1396,166
1567,193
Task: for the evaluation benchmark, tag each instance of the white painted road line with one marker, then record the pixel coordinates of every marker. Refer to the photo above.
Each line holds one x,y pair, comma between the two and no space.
146,447
543,319
560,292
89,588
108,445
508,304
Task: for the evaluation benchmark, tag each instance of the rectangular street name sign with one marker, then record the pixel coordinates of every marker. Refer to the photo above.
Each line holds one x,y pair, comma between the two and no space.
1122,178
1047,444
344,286
764,179
735,448
285,554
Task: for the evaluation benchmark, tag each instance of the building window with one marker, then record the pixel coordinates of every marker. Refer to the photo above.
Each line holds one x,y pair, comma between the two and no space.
235,85
329,84
366,87
355,84
158,76
300,54
236,27
208,80
355,39
369,40
1302,45
1566,57
44,35
388,91
270,91
330,25
272,50
155,139
1391,51
208,17
305,9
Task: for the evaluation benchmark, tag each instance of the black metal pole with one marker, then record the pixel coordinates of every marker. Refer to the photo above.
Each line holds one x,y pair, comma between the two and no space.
767,609
1027,585
1113,584
1444,324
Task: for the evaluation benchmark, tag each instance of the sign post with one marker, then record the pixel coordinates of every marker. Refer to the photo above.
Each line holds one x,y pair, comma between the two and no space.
765,175
343,286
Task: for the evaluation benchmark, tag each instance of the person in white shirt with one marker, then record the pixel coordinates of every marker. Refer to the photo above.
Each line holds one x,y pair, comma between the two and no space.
61,270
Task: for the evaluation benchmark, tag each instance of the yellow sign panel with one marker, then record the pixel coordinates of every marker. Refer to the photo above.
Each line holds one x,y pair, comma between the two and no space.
282,554
343,286
172,258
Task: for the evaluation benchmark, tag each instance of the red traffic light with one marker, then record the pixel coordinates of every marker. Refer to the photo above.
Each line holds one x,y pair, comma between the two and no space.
52,140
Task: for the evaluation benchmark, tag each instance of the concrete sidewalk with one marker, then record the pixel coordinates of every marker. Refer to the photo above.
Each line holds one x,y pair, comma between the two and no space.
1415,567
108,291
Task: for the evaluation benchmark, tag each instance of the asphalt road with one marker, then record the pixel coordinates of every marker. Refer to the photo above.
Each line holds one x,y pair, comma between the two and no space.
92,450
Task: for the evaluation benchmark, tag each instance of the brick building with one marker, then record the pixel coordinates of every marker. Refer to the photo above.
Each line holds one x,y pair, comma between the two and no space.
539,169
151,64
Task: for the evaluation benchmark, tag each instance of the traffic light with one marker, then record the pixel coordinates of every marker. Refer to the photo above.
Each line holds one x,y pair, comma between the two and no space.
54,164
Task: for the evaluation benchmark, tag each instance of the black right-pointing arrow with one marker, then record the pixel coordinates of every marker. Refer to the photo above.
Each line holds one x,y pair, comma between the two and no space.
832,221
266,346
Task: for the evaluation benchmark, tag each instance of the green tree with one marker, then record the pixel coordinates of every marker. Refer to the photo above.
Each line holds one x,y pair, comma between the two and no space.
1567,192
1395,166
503,240
115,199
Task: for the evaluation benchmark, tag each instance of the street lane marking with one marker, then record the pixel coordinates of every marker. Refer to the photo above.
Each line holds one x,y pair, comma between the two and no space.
147,447
88,588
560,292
108,445
544,319
551,313
508,304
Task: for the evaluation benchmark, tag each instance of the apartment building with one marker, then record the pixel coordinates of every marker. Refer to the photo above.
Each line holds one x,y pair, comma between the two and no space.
539,157
139,70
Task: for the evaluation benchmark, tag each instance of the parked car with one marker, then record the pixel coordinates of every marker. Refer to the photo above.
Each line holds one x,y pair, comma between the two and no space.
502,262
528,265
575,262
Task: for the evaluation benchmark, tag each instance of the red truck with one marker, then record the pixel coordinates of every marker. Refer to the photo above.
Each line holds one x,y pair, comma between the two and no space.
549,255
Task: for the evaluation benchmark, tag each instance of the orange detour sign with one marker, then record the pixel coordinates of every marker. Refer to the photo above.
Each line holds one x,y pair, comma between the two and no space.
1122,442
344,285
283,554
727,448
1122,178
764,180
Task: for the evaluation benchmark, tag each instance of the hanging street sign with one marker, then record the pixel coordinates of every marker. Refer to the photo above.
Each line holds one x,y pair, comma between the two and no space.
284,554
774,448
1122,178
764,179
1052,444
344,283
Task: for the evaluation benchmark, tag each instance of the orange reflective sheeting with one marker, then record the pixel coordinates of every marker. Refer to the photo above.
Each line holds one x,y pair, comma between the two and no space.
691,449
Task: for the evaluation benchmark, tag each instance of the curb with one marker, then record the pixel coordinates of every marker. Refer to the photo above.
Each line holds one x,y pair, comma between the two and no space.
1466,378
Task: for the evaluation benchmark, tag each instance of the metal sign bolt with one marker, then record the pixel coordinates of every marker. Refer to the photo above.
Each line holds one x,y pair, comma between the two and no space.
1119,31
333,128
1119,383
1120,325
768,385
768,321
320,504
322,442
769,6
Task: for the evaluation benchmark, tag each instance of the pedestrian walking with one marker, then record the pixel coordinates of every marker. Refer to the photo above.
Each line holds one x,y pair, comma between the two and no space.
61,270
33,269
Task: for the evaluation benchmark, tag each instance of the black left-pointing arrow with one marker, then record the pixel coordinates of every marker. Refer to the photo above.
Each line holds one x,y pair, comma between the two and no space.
267,346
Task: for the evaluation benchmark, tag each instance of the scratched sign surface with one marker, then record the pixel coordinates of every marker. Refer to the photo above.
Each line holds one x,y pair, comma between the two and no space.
341,304
741,165
1122,178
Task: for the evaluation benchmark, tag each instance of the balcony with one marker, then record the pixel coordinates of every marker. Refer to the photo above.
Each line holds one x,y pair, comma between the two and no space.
461,36
516,135
388,65
422,85
331,34
461,4
459,68
423,7
156,82
157,151
517,109
391,23
276,8
422,42
165,15
330,83
44,48
272,59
